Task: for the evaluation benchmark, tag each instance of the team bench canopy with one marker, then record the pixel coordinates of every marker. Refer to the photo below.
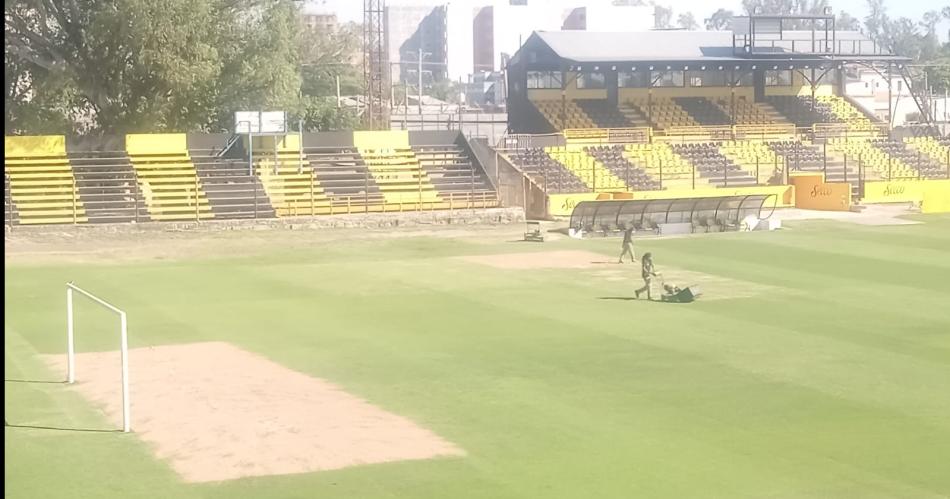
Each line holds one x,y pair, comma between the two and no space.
644,214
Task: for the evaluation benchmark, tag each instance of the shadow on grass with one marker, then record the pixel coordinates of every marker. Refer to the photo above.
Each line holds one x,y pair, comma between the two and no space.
34,381
58,428
630,298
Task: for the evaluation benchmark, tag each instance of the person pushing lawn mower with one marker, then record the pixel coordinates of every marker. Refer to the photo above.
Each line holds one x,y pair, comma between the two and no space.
648,272
671,293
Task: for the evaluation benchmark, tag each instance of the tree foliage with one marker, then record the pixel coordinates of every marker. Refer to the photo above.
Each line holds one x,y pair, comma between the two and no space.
720,20
662,17
788,7
123,66
322,113
687,21
847,22
917,40
328,55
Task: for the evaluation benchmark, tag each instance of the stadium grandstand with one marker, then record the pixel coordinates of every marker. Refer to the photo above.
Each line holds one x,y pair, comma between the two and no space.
681,110
195,177
647,115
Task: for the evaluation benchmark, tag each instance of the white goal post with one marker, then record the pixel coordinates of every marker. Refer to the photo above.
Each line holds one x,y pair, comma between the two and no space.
124,351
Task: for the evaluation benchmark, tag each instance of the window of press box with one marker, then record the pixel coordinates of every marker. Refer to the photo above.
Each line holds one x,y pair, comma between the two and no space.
668,78
778,78
591,80
544,79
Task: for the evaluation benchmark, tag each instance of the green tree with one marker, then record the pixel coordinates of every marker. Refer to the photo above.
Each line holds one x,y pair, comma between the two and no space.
788,7
662,17
120,66
848,22
875,23
938,74
446,91
720,20
327,55
322,113
687,21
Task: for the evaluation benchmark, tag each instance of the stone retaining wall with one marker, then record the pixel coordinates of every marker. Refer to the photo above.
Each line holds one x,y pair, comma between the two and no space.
490,216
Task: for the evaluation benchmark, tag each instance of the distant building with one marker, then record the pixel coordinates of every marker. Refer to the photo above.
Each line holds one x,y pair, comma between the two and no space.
317,16
868,88
459,38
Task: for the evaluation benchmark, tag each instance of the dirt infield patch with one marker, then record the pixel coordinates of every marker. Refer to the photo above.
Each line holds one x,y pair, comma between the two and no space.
216,412
541,260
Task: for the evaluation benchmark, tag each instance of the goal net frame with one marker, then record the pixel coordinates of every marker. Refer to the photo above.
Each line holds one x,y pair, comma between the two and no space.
124,350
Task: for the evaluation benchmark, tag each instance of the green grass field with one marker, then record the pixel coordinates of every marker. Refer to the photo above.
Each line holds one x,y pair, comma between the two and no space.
833,384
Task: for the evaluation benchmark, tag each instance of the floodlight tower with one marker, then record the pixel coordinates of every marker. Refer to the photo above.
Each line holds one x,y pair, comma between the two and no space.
375,75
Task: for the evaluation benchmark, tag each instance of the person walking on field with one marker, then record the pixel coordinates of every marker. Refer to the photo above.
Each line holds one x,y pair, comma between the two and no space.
628,246
648,272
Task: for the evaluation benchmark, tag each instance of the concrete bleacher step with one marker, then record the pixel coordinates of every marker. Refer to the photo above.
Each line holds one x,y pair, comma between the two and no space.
232,191
10,215
107,185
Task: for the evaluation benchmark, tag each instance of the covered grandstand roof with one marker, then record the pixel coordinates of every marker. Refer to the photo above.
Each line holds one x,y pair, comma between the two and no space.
677,45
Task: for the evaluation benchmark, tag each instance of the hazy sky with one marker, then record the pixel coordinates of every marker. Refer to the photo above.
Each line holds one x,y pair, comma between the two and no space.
352,10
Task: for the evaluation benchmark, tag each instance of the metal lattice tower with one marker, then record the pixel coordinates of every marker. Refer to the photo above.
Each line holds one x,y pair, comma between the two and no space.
375,67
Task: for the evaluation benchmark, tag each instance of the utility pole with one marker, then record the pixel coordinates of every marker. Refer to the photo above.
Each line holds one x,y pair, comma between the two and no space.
420,80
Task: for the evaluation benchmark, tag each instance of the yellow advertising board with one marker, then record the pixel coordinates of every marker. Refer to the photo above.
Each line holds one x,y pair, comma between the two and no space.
894,192
813,193
562,205
936,196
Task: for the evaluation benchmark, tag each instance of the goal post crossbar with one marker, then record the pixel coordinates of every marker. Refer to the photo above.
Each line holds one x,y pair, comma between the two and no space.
124,350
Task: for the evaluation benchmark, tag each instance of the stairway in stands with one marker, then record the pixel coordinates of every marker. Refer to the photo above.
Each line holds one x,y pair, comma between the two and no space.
291,185
233,191
754,157
107,185
401,178
346,179
663,112
713,166
41,181
633,116
604,114
703,111
396,169
458,179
